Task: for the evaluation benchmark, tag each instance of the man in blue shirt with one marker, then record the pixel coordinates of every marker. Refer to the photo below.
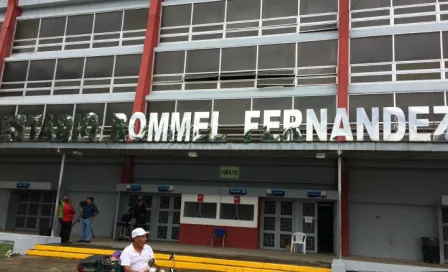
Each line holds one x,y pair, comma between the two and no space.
89,211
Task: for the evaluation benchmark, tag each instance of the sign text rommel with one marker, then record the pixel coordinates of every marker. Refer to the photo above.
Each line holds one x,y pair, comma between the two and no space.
171,127
277,125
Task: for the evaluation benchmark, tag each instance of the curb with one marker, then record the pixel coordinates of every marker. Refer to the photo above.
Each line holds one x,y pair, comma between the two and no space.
182,261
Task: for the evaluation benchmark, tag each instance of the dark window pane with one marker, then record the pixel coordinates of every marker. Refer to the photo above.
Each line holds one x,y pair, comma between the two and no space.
243,10
52,27
202,61
27,29
99,67
283,8
176,15
160,107
7,110
228,212
368,102
127,65
276,56
239,58
262,104
369,4
194,106
108,22
207,13
445,44
59,110
371,49
316,103
70,68
405,100
417,46
112,108
81,24
83,109
15,71
411,2
318,6
169,62
135,19
31,110
231,111
41,70
319,53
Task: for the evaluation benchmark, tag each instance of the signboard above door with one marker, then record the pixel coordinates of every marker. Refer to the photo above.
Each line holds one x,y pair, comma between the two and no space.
230,172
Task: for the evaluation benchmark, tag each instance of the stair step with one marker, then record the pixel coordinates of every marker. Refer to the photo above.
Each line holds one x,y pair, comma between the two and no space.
183,262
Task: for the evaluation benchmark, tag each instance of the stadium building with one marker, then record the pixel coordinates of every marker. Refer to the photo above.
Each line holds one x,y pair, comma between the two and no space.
262,117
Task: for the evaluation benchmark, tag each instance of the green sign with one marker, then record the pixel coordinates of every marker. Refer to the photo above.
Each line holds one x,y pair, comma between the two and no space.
230,172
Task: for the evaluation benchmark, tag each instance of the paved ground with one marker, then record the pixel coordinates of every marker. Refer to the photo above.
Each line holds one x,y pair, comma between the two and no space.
38,264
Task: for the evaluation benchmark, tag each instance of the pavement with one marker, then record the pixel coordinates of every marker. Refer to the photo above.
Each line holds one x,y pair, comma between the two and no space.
37,264
40,264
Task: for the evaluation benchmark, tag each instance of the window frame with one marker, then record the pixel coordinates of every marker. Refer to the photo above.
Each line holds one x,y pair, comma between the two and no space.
220,199
257,78
88,40
82,85
223,29
428,70
397,15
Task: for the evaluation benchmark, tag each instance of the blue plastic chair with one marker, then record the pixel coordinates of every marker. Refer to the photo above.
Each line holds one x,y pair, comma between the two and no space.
218,234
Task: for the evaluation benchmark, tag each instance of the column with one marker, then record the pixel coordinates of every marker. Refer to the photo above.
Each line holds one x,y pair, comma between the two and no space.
7,33
343,83
145,75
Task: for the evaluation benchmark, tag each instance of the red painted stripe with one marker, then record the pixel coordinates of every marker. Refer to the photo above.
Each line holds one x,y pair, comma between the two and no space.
7,33
145,74
151,41
343,83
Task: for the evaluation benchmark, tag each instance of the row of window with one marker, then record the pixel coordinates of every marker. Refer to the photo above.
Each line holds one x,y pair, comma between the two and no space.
232,111
279,65
399,57
104,111
241,212
118,28
232,19
71,76
367,13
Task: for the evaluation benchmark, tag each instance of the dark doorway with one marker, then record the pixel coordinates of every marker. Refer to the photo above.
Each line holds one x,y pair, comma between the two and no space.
325,229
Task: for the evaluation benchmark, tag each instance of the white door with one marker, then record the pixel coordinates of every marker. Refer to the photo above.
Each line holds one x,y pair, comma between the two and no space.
309,225
168,217
278,223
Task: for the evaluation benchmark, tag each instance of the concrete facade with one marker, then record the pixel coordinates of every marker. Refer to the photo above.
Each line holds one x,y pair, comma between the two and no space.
76,57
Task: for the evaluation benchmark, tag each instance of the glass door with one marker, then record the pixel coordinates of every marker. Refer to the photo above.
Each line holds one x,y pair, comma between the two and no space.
168,217
277,223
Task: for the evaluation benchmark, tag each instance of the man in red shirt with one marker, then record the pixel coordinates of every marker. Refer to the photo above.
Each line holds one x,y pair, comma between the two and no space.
67,219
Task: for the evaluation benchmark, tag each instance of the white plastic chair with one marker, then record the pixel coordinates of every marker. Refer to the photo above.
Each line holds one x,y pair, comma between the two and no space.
298,238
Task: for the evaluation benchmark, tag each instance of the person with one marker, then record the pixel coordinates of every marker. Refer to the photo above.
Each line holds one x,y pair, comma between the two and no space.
89,212
136,256
138,214
61,214
66,221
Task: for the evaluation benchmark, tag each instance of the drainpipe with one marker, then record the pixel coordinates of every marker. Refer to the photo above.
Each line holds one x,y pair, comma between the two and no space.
58,195
339,213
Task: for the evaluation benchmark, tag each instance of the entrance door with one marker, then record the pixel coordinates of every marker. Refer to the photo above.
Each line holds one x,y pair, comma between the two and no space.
168,217
277,224
309,218
35,210
325,230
